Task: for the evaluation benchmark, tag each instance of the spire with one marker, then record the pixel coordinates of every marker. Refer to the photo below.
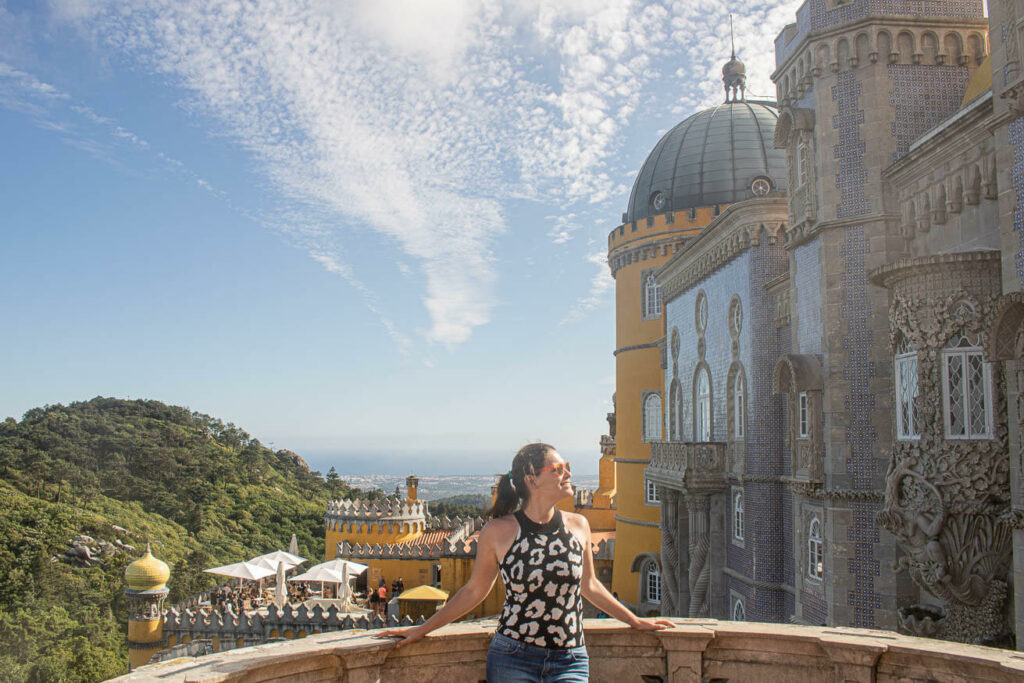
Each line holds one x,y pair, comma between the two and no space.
734,73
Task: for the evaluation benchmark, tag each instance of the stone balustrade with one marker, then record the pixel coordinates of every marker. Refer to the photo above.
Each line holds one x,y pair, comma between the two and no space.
688,465
694,650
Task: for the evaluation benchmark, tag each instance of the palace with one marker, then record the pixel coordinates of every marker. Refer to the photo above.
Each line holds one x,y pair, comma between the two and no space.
825,295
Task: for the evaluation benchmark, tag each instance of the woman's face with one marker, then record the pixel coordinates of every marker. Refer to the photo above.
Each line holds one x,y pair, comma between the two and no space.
554,477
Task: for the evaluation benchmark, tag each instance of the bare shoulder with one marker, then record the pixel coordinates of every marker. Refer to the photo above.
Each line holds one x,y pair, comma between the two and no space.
498,535
500,531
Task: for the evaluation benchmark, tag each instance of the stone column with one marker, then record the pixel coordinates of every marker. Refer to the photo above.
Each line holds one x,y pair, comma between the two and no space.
683,568
670,605
699,509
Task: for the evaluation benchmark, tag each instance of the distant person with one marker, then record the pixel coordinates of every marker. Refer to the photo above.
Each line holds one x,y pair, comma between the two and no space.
545,562
401,586
382,599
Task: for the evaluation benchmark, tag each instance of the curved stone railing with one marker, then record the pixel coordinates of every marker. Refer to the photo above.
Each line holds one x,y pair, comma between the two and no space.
692,651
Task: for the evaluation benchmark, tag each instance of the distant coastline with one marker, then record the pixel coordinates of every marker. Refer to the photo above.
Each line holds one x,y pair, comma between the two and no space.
435,487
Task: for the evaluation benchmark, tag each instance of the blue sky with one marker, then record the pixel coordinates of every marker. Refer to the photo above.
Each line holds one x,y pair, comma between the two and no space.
370,231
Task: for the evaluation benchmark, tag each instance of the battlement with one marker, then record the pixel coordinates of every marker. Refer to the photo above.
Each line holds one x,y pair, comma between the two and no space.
375,510
234,629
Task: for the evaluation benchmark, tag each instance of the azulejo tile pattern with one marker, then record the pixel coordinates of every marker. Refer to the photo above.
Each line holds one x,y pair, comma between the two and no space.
857,340
921,97
807,258
852,175
1016,133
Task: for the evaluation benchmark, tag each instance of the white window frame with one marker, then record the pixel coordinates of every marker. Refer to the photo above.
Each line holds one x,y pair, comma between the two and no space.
739,398
652,417
803,415
652,583
702,406
905,370
737,515
693,213
739,613
651,494
964,353
652,297
815,550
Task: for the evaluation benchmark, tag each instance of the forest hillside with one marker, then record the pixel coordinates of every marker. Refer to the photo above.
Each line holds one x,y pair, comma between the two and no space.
84,487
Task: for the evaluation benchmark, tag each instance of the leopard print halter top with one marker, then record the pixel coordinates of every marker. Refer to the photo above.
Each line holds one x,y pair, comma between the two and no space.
542,573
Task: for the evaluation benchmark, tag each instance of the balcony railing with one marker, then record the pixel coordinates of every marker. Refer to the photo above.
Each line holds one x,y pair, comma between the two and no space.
691,651
688,464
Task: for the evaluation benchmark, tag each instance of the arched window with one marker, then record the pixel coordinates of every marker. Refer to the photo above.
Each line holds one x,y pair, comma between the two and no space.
702,406
737,515
739,404
738,613
652,585
966,391
906,391
676,410
652,297
815,550
652,417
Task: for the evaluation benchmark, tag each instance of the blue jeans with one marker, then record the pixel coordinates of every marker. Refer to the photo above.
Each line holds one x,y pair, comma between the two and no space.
513,661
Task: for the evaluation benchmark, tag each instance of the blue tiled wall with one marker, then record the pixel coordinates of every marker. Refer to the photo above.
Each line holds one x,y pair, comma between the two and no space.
852,175
857,339
1016,133
921,97
807,279
734,278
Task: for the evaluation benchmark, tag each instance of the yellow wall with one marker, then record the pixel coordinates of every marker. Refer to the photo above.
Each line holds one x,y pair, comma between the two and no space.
412,572
332,538
455,573
144,632
637,371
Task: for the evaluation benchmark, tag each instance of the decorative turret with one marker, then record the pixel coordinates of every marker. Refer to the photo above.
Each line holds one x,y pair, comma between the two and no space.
411,483
734,73
147,589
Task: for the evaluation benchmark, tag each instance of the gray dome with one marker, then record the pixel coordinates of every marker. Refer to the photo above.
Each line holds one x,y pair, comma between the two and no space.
712,157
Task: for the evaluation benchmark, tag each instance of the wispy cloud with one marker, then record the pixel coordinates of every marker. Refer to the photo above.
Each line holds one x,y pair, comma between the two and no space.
601,284
421,120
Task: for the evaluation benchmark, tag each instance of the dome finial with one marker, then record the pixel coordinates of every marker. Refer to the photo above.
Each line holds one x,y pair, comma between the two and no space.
734,73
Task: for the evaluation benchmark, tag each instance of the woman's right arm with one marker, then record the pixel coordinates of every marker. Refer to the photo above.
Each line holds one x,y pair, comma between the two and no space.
485,571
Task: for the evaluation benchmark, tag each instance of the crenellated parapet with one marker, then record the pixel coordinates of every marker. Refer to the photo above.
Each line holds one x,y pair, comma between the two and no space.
233,630
391,515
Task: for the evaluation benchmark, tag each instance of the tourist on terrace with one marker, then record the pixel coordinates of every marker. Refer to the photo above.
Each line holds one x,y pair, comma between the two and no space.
545,561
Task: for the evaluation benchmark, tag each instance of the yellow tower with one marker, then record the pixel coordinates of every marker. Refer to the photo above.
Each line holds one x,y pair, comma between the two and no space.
411,484
147,589
635,251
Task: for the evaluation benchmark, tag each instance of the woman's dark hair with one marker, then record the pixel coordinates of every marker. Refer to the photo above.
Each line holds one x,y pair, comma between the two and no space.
512,489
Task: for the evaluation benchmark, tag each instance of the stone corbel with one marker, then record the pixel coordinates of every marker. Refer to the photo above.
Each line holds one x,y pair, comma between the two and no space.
833,67
917,57
940,59
854,61
873,57
894,57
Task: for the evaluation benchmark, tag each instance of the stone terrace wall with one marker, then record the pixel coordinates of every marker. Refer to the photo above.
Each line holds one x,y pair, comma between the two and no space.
692,651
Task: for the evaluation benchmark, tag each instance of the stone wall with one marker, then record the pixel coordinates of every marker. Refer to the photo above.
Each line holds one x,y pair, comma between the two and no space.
692,651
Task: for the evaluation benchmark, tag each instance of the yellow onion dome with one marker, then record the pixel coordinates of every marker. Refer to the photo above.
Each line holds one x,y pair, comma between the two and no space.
147,573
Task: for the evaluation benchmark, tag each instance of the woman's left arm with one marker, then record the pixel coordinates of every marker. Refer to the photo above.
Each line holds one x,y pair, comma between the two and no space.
595,592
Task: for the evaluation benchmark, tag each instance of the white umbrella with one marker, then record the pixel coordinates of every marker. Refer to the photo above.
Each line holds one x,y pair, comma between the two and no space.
334,571
280,590
280,556
242,570
293,546
344,583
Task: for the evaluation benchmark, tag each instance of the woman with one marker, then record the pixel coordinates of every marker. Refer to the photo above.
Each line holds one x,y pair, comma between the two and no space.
545,562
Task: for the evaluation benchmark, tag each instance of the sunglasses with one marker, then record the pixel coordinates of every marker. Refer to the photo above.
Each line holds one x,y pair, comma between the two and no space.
559,468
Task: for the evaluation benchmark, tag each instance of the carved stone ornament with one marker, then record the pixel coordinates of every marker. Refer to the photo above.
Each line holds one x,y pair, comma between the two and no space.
946,499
